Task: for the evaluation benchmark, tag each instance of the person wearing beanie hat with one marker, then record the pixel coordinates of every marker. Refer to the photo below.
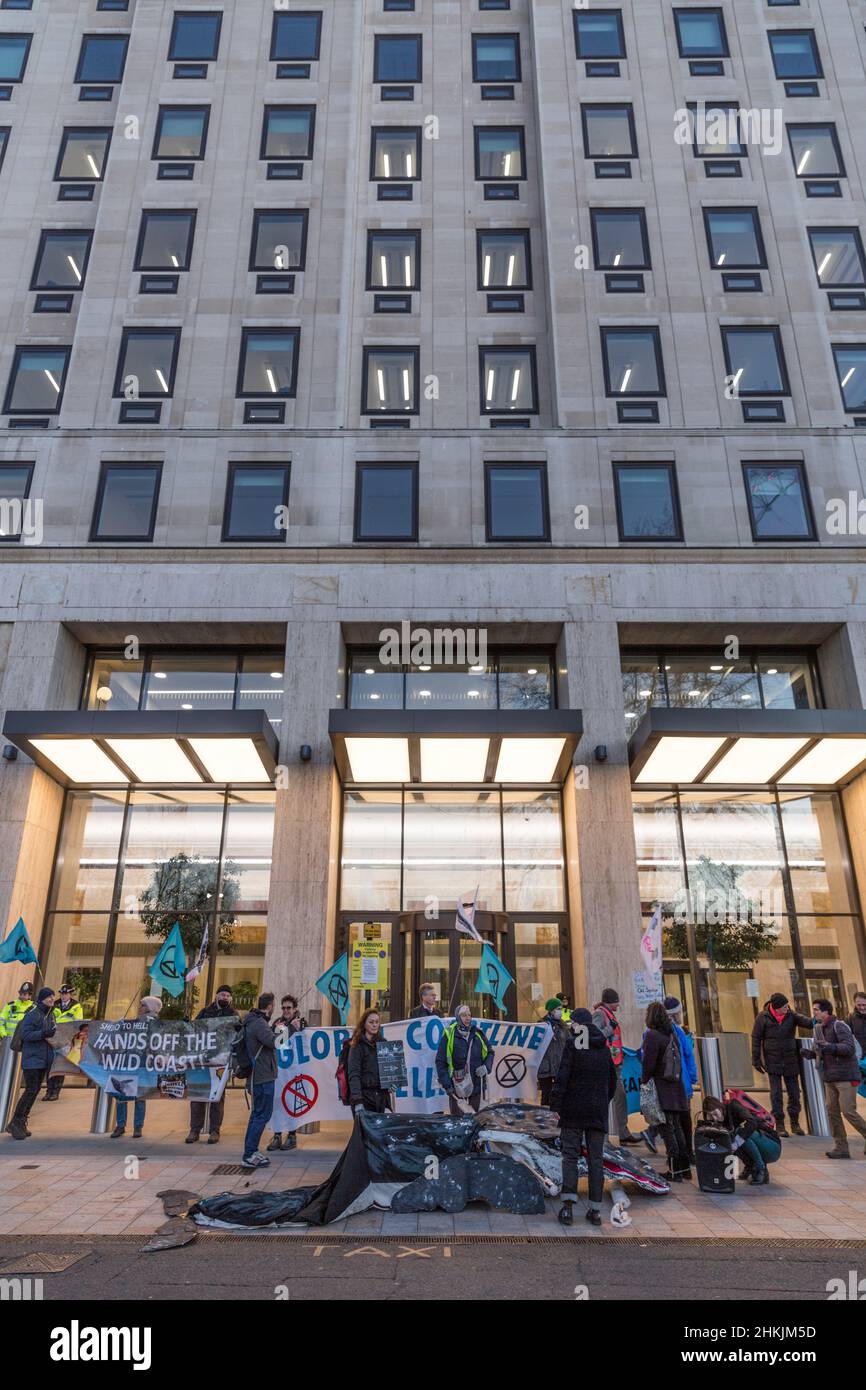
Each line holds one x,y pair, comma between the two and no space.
674,1010
37,1055
66,1010
604,1018
774,1052
149,1007
201,1111
560,1036
585,1085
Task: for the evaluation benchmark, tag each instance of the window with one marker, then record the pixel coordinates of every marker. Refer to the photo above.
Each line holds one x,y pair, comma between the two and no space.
619,239
279,239
495,57
61,260
195,36
795,53
126,501
815,151
102,58
147,363
181,132
838,256
256,493
500,152
755,361
395,153
701,34
508,381
393,260
4,141
16,4
599,34
647,502
850,359
397,58
390,376
165,240
14,49
296,37
779,507
268,362
386,502
83,154
504,261
734,238
36,381
632,362
287,132
516,503
717,130
15,479
608,132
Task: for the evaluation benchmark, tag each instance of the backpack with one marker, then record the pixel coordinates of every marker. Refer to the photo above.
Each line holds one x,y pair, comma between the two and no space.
241,1063
342,1074
16,1043
762,1118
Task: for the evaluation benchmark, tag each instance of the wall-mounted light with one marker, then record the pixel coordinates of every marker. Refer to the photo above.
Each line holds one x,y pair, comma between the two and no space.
306,753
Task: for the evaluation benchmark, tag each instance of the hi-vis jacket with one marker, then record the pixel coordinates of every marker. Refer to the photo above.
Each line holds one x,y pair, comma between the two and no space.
11,1015
71,1014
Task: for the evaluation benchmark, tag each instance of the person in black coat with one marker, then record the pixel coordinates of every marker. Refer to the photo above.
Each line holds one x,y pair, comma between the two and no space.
429,1005
37,1055
857,1020
365,1089
584,1087
222,1007
665,1068
774,1051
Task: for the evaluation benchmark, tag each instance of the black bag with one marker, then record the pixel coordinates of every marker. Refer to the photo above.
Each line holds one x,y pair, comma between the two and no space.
241,1062
714,1160
17,1041
673,1066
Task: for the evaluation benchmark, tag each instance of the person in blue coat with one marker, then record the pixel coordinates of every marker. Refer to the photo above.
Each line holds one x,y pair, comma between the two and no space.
464,1058
674,1011
37,1055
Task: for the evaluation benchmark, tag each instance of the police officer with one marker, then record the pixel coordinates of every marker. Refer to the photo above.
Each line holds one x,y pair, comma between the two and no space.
66,1010
13,1012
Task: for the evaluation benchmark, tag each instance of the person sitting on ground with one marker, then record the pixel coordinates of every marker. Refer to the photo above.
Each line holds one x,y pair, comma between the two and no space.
774,1051
429,1005
213,1111
285,1027
582,1091
753,1140
150,1007
37,1055
464,1058
366,1091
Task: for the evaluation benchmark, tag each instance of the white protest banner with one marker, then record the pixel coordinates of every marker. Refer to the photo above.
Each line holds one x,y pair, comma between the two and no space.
306,1086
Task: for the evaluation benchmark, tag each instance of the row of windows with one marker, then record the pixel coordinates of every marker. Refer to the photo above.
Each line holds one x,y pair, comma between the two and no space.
386,501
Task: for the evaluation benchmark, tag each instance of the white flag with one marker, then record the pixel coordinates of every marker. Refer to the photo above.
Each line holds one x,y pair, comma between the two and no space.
651,943
466,919
200,959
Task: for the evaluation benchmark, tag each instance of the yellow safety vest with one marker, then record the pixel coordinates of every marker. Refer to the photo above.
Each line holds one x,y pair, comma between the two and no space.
449,1045
12,1014
71,1015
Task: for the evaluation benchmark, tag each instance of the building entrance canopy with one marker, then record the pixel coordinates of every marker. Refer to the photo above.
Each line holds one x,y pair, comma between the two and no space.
755,748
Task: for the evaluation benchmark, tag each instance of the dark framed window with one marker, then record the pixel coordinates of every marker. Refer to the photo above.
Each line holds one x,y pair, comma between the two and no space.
16,4
393,260
609,131
390,381
83,154
850,359
36,381
815,150
386,502
838,256
779,504
516,504
14,52
397,58
279,240
509,381
268,364
632,359
288,132
500,152
755,361
102,58
195,36
619,239
716,130
701,33
147,363
165,240
647,502
503,259
126,501
795,53
181,132
255,495
496,57
4,142
599,34
61,260
296,37
15,480
734,238
395,154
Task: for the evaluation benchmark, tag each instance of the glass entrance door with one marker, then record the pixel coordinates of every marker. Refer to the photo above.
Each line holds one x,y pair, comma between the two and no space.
436,953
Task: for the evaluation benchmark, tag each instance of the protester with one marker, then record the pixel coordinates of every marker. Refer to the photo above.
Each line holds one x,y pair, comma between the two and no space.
774,1051
548,1069
365,1089
261,1046
604,1018
674,1011
840,1071
66,1010
584,1086
662,1063
752,1140
150,1007
857,1021
463,1059
37,1054
203,1110
12,1013
429,1005
285,1027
